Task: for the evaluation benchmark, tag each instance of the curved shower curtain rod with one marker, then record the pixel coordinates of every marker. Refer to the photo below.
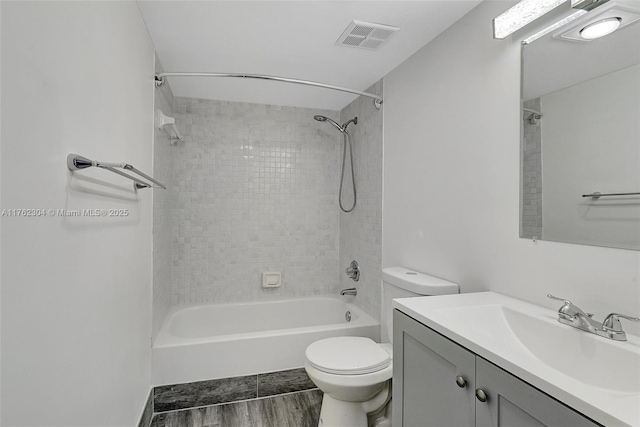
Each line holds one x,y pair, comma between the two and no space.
377,100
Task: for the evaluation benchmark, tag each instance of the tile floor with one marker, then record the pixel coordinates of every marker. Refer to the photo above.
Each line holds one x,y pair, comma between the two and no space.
275,399
301,409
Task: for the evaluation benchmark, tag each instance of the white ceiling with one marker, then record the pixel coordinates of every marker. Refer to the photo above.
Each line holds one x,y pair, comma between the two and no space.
294,39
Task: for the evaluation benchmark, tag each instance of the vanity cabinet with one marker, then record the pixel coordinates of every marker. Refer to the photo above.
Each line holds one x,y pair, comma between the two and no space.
436,383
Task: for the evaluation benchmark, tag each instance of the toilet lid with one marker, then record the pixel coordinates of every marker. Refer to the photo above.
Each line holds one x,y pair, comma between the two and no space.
347,356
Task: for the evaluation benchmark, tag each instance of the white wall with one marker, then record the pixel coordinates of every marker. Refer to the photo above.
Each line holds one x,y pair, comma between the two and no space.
451,179
590,142
76,291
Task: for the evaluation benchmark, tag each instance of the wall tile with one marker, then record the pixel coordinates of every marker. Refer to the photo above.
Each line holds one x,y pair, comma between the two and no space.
531,214
361,230
255,190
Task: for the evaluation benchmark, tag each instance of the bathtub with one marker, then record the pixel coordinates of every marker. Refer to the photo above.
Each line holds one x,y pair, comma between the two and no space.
201,342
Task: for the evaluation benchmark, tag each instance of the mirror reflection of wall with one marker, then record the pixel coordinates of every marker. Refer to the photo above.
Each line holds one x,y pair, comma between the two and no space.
591,134
581,134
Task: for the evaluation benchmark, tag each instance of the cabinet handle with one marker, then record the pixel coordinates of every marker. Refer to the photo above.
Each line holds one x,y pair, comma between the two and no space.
481,395
461,382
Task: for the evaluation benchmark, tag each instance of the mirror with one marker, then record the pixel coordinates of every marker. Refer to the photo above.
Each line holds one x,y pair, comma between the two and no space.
580,135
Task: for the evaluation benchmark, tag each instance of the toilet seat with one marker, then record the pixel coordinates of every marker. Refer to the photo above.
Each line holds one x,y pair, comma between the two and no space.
347,356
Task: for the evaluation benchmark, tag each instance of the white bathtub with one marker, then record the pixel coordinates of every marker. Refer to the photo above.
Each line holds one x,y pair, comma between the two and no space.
201,342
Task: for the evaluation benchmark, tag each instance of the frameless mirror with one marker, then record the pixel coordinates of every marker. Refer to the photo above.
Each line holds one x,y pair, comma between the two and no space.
581,136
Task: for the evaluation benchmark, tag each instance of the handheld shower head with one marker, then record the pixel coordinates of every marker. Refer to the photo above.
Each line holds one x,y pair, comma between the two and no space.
327,119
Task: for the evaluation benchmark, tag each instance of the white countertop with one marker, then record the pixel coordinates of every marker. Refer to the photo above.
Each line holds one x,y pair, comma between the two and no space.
576,367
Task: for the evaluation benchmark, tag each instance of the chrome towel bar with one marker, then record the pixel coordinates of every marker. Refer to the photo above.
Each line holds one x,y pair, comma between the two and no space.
76,162
597,194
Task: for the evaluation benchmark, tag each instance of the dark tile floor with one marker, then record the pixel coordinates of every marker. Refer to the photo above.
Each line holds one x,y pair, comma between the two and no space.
226,390
275,399
301,409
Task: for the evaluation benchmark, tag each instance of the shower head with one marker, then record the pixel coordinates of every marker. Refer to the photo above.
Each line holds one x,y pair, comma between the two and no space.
347,142
333,123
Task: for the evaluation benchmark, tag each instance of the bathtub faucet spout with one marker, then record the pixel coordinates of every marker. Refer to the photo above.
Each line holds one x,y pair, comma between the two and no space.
350,291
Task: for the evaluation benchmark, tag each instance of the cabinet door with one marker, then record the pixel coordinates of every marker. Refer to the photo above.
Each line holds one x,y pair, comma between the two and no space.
425,368
513,402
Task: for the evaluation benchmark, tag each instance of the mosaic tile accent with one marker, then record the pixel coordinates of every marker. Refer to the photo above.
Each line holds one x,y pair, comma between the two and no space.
361,230
256,190
531,224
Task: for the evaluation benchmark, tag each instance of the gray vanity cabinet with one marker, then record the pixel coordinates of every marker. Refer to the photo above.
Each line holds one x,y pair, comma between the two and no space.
435,382
426,368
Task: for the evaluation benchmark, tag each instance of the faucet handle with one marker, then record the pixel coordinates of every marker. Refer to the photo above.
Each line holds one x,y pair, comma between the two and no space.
569,310
353,271
566,301
612,322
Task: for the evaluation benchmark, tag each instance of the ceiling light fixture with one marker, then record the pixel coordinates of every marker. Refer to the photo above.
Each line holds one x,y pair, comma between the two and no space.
600,28
552,27
523,13
599,22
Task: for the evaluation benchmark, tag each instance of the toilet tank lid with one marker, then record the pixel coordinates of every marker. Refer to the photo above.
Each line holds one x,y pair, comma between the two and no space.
416,282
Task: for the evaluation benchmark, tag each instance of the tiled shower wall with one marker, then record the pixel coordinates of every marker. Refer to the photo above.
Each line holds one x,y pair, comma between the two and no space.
361,230
162,208
532,175
255,191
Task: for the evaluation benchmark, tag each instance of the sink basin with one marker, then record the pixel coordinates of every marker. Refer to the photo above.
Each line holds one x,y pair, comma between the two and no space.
591,359
596,376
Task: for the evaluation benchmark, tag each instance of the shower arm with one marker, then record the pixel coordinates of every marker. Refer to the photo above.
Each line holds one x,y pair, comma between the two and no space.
377,100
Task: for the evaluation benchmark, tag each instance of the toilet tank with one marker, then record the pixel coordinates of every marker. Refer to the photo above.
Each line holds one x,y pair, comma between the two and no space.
400,282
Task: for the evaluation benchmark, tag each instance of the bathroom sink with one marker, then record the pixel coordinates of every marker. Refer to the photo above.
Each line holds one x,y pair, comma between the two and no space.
586,357
591,359
596,376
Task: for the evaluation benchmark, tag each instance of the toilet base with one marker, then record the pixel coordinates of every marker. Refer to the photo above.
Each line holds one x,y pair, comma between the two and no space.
340,413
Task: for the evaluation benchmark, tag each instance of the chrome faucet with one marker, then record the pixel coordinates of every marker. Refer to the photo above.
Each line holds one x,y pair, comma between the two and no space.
350,291
572,315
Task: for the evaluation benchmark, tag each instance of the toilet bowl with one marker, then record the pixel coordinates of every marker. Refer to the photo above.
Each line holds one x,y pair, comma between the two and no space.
355,372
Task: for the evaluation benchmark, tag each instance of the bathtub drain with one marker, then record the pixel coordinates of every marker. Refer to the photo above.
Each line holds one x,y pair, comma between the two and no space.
347,316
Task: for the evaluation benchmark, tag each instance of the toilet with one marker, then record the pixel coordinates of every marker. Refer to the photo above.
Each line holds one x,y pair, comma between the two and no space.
355,372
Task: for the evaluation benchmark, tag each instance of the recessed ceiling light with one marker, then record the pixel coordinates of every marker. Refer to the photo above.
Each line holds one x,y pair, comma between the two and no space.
600,28
615,15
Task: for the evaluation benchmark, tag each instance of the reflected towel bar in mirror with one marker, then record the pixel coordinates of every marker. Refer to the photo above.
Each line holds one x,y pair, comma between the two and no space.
76,162
597,194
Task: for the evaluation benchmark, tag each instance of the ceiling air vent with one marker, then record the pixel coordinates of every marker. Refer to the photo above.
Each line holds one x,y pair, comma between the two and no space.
366,35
